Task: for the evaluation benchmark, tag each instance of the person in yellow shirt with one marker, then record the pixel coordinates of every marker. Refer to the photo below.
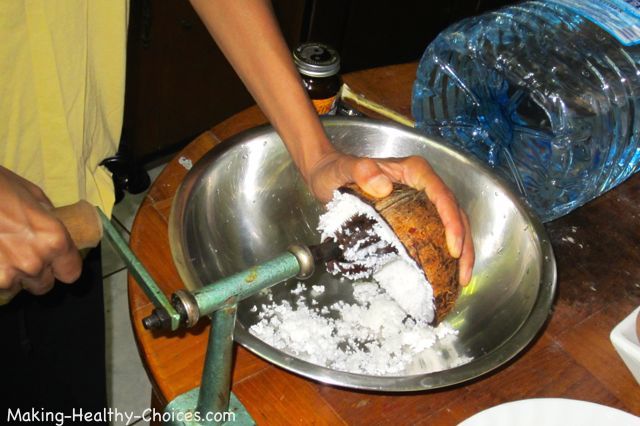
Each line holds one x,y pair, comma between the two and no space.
62,73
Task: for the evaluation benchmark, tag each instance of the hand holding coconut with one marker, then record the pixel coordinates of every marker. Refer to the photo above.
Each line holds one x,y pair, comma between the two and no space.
376,177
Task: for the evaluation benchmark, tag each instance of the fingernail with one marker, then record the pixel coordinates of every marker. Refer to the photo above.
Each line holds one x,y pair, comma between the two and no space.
465,277
455,246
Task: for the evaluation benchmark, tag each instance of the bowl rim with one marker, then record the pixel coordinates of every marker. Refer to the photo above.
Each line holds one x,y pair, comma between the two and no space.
477,367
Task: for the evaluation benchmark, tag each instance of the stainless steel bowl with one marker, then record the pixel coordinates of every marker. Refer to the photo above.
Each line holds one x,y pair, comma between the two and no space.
244,202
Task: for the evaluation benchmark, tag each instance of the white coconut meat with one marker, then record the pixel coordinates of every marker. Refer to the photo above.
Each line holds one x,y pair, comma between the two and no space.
397,273
372,336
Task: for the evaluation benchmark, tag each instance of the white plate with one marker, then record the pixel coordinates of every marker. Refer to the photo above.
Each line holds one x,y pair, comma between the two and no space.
625,340
551,412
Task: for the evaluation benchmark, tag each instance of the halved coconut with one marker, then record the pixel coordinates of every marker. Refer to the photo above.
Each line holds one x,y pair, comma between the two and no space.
399,240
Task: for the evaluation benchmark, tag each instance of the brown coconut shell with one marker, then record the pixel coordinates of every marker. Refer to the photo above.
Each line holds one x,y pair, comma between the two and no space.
416,222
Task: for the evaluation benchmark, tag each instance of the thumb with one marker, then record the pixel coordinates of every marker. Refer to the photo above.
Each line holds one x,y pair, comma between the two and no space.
370,178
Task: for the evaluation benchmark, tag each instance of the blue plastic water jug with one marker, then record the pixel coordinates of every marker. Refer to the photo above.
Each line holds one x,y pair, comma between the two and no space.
547,92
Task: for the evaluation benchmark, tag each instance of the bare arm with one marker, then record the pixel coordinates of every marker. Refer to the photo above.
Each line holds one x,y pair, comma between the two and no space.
247,33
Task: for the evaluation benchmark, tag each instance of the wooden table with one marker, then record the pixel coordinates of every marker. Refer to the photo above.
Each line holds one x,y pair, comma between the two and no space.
598,257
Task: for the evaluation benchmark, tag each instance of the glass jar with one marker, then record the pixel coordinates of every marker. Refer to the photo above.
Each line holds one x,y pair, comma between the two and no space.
319,66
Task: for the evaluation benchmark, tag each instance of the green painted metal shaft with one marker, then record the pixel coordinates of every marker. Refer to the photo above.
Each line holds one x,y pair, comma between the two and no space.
246,283
139,272
216,377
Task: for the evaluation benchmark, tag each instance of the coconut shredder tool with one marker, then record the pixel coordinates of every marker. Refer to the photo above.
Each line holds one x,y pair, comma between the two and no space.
87,225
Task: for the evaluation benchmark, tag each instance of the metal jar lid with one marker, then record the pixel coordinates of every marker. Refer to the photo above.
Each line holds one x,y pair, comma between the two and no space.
316,60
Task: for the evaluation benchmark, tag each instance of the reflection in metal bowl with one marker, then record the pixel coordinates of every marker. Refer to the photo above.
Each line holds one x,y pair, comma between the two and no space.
244,202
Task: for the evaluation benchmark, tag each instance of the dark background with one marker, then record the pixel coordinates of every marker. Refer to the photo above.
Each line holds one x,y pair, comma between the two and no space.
179,84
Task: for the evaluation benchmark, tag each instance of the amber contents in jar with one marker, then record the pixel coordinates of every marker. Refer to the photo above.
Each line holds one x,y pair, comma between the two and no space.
319,66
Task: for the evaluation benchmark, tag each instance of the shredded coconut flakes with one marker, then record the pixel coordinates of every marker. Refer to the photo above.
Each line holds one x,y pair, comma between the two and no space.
385,332
373,336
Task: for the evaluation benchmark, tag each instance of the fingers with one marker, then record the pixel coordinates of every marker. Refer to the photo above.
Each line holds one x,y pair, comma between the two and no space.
338,169
68,266
36,267
62,257
450,214
38,276
368,175
376,177
467,257
14,281
38,285
35,247
417,173
54,256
